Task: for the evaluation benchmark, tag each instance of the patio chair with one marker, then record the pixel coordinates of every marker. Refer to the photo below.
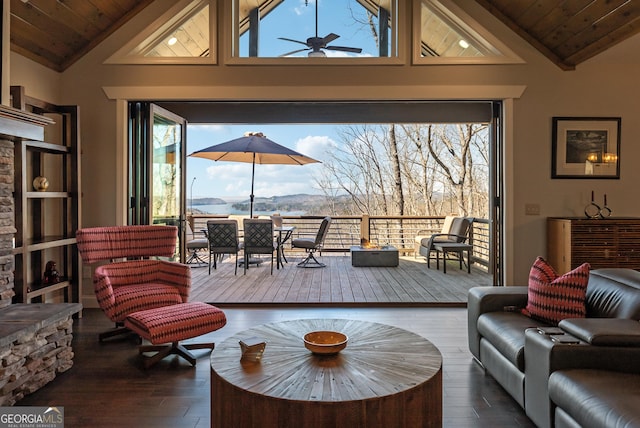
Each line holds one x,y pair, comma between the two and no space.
458,233
131,281
194,244
311,245
222,235
258,239
428,234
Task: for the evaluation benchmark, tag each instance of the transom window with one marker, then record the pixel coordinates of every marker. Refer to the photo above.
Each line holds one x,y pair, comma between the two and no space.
314,32
290,29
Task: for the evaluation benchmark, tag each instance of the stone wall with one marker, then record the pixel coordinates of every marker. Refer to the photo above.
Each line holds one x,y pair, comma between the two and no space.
32,361
35,345
7,222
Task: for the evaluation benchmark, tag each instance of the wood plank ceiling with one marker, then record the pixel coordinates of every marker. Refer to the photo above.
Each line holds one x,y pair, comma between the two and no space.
56,33
572,31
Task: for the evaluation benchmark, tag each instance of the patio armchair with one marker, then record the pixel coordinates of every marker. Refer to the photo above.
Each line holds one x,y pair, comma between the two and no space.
222,235
258,239
311,245
458,233
428,234
131,281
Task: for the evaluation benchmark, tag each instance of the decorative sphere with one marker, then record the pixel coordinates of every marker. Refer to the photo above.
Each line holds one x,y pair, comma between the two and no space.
40,184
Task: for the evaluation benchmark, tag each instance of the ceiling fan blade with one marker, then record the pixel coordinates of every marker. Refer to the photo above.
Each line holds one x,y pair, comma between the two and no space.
344,49
293,52
294,41
329,38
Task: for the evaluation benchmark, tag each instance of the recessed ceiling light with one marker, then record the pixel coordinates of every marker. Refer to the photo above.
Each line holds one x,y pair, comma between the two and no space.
463,44
172,41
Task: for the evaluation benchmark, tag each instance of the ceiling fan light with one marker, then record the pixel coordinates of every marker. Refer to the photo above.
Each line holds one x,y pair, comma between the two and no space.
316,54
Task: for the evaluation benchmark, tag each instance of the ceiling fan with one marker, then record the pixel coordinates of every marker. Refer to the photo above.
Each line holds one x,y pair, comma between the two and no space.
315,44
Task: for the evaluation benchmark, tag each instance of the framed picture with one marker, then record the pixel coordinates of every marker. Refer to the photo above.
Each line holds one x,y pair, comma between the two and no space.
585,147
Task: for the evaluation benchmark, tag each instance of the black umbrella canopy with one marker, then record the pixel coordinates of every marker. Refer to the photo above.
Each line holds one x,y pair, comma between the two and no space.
253,148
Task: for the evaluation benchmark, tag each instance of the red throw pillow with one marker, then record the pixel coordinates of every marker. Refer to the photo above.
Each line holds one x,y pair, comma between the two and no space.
552,298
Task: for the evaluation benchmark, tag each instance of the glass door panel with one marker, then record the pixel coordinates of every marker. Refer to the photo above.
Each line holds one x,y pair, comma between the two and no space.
156,168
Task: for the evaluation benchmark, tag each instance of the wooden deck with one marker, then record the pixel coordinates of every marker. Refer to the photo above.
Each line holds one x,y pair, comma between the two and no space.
339,284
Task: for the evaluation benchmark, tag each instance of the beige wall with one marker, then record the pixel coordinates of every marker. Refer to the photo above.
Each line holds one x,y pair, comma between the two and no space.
597,88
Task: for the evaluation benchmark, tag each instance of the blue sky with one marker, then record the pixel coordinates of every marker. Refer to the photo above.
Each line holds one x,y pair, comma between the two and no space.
233,179
293,20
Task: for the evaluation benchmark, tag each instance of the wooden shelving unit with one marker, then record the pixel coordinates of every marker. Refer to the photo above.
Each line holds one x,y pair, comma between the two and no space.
46,221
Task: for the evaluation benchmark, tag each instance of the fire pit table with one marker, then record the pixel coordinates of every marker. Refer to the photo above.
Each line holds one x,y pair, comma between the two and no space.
386,256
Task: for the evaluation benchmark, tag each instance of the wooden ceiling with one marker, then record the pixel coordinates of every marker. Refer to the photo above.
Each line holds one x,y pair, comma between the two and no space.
56,33
571,31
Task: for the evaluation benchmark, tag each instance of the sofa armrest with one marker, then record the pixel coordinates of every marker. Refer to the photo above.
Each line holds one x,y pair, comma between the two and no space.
544,356
481,300
603,331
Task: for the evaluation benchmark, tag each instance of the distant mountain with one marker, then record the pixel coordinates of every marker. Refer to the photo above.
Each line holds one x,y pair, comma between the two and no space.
310,204
206,201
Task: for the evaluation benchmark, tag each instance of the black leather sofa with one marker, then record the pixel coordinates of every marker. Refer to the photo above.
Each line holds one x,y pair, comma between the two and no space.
535,363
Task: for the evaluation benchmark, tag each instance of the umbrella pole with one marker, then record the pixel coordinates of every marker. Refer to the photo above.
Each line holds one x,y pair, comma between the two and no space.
253,171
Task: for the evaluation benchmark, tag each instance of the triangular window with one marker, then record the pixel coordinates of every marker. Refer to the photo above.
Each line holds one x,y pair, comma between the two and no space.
184,34
447,35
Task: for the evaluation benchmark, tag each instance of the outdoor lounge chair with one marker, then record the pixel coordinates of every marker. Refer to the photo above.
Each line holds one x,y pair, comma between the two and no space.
428,234
458,233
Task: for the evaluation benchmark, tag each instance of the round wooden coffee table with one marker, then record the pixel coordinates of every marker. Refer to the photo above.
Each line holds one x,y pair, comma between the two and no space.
386,377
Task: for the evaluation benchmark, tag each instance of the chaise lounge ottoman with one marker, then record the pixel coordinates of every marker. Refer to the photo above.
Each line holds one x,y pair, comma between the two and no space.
166,326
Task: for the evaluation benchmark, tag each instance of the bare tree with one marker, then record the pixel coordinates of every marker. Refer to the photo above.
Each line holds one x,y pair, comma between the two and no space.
412,169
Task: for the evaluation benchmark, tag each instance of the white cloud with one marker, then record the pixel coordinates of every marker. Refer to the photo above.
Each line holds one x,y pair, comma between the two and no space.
317,147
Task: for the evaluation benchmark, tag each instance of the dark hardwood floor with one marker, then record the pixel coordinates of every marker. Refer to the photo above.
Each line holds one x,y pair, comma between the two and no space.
107,386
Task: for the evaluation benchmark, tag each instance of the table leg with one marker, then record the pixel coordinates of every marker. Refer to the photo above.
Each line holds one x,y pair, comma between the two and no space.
279,255
279,252
468,261
444,260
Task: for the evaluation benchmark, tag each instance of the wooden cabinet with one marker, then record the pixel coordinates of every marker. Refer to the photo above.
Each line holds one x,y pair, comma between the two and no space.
603,243
46,220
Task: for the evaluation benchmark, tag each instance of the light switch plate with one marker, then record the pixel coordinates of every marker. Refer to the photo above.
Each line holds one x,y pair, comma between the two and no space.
532,209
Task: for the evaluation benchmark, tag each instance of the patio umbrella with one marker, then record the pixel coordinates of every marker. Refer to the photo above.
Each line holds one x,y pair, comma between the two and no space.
253,148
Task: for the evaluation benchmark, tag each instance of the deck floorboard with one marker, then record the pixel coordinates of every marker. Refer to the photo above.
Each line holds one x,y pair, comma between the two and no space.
339,283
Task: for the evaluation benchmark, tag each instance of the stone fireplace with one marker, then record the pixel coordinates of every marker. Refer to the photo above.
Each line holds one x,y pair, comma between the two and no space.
35,339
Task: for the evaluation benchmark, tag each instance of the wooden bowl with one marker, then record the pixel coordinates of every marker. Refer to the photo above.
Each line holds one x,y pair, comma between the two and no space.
325,342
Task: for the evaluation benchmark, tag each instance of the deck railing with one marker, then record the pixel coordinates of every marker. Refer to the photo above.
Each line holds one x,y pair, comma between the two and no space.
399,231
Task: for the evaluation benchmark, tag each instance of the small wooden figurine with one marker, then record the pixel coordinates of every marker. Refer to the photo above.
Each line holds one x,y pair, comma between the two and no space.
51,275
252,349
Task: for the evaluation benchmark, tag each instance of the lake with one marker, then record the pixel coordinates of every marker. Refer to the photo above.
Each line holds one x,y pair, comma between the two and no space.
228,209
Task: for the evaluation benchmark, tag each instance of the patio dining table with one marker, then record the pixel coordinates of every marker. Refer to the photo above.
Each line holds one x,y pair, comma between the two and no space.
284,234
